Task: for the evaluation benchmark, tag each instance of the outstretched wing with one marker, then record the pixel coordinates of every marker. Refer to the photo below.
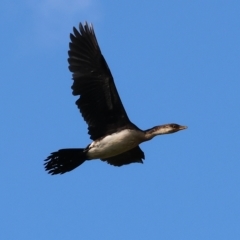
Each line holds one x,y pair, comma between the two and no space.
135,155
99,102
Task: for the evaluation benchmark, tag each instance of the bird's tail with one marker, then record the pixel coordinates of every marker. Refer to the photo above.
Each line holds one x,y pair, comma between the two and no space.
64,160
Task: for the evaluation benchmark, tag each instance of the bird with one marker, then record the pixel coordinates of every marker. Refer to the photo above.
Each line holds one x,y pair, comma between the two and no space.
115,139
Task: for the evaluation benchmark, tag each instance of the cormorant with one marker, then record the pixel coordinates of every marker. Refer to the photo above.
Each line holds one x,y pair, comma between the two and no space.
115,138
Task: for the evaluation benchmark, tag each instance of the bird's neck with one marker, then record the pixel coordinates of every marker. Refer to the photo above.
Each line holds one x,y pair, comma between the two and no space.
155,131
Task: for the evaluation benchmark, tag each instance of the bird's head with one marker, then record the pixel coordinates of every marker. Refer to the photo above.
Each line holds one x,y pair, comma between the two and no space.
170,128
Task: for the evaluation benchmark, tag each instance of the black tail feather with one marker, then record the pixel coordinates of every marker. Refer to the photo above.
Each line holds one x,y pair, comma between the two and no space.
64,160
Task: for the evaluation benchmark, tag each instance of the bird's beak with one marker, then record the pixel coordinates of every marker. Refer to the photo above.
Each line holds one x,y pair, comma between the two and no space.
183,127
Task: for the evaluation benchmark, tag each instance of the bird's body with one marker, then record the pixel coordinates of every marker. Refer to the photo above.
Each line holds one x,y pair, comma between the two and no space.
115,144
115,138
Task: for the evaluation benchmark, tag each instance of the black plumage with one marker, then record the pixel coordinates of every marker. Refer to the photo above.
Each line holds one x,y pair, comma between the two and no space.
115,137
99,102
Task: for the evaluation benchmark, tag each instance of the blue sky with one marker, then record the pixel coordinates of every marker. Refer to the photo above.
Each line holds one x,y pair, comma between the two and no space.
172,61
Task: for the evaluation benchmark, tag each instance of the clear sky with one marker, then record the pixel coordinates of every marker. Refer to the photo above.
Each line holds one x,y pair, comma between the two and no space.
172,61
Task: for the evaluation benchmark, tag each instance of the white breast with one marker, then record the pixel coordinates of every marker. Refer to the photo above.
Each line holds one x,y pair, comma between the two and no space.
114,144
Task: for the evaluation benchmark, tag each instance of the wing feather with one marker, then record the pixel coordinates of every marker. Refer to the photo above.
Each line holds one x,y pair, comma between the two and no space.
135,155
99,102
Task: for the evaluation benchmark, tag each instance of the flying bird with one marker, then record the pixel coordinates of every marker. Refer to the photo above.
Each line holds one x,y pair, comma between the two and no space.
115,138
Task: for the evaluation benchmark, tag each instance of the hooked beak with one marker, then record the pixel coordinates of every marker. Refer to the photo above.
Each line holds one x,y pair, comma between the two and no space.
183,127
